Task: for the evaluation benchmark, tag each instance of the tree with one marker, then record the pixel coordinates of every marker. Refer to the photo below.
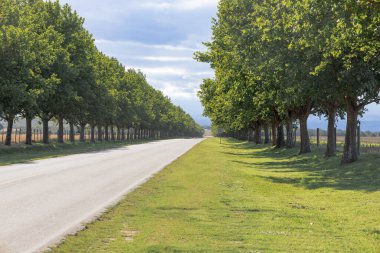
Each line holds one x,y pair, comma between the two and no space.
50,67
279,61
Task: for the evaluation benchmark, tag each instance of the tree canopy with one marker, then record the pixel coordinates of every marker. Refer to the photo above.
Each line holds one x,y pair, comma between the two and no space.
277,62
51,68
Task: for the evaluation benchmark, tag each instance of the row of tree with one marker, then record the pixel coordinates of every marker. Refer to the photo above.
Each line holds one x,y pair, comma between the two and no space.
51,68
279,61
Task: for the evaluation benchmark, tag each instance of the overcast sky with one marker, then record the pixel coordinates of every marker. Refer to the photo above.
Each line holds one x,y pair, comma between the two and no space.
159,37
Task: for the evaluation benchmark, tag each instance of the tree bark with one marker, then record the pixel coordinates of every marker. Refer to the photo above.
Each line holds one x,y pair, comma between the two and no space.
350,153
123,134
266,133
274,134
331,138
45,129
289,134
280,137
82,132
28,138
249,135
93,133
118,135
60,130
257,135
112,133
100,133
305,140
8,138
106,136
72,132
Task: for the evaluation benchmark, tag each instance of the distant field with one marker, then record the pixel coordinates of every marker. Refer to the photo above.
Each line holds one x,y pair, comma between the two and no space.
240,197
340,139
19,139
24,154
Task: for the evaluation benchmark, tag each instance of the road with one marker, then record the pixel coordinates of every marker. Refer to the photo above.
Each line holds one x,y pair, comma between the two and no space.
44,201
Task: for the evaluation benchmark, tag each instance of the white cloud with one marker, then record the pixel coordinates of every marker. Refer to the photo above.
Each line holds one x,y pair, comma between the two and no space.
164,58
180,4
176,92
128,43
373,112
159,37
162,71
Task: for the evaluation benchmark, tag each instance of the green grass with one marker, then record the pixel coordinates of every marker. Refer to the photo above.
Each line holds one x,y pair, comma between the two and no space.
238,197
25,154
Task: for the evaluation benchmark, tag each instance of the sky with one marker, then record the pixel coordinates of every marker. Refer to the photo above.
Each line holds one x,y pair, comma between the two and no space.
159,37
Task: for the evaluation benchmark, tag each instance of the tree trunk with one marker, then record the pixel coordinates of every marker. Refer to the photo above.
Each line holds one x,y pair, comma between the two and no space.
331,138
304,133
249,134
93,133
289,134
28,138
112,133
8,138
266,131
280,137
106,136
72,132
350,153
274,134
100,133
257,135
45,129
118,137
60,130
82,132
123,134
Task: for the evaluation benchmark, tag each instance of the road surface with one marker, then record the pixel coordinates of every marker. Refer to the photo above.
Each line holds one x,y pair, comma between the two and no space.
42,202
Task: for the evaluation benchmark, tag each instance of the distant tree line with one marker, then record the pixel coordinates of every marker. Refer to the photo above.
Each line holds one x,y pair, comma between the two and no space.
51,68
279,61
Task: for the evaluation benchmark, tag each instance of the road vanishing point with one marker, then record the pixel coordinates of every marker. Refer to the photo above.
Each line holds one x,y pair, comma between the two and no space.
44,201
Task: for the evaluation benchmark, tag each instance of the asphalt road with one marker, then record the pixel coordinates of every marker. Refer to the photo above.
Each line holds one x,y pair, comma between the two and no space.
42,202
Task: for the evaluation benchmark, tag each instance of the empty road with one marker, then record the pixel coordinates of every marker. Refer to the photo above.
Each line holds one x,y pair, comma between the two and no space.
43,201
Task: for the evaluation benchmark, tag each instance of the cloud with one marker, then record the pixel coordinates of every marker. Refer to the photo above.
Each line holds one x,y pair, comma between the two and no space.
164,58
128,43
180,5
159,37
176,92
165,71
372,113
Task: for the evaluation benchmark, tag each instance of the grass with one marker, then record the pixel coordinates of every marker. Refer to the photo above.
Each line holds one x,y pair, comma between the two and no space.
238,197
25,154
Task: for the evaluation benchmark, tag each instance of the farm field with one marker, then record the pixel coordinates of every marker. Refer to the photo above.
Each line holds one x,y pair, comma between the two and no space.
19,139
240,197
340,139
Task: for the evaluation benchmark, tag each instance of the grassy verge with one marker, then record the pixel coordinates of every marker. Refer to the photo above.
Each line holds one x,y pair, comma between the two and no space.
24,154
237,197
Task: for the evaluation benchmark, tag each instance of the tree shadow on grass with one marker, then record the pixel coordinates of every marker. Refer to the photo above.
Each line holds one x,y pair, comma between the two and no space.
317,171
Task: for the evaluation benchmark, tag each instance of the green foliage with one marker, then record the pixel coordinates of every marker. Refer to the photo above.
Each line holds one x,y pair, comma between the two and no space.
51,68
281,60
